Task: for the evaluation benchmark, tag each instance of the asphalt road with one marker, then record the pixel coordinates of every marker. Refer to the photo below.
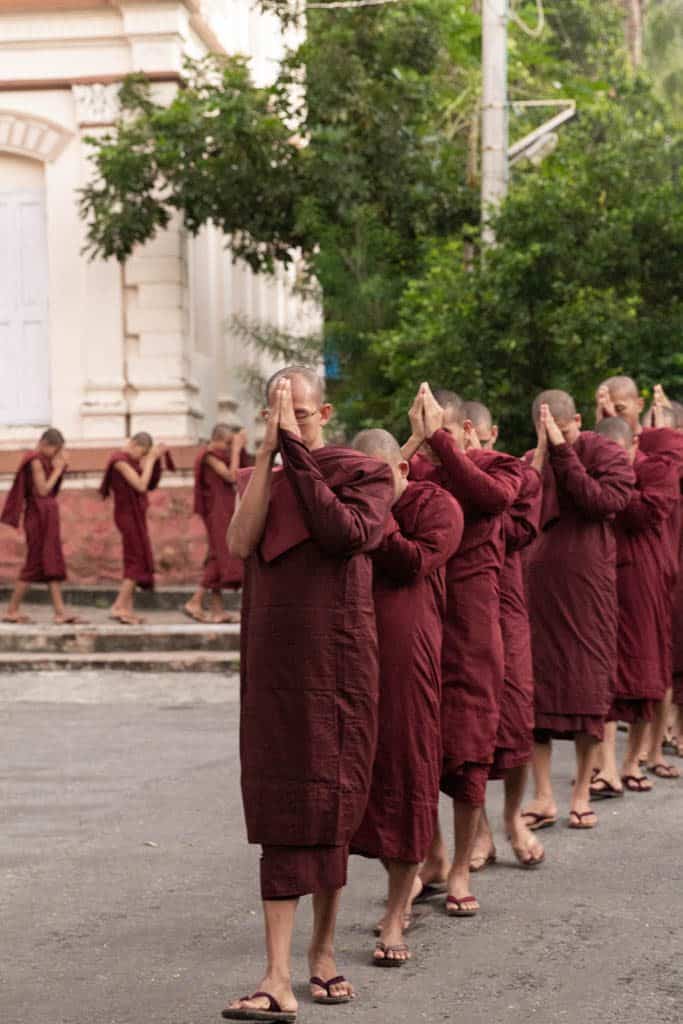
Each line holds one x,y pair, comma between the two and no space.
128,894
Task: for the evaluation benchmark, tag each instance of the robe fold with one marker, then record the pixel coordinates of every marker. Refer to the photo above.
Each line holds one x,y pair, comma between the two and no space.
130,516
644,589
572,587
669,442
410,603
521,523
485,483
214,502
309,663
44,555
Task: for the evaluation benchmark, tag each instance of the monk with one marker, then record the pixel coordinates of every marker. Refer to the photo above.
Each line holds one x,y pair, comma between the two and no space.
514,742
572,591
644,634
444,449
310,675
33,495
215,474
410,602
619,396
130,475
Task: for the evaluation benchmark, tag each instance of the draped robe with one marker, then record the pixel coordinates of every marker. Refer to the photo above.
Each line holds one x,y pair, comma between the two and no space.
309,665
410,603
130,516
643,589
521,523
572,586
214,501
44,555
485,483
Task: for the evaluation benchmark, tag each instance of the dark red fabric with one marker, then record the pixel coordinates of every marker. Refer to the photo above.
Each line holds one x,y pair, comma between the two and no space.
572,592
44,555
309,666
632,711
514,742
485,483
678,688
567,727
467,783
214,501
643,583
130,516
410,604
288,872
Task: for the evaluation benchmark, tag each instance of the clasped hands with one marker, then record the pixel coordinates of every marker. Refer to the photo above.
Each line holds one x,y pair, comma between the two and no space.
427,416
280,415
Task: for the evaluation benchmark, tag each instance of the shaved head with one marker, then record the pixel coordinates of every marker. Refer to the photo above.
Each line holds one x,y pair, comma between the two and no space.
378,444
305,373
222,432
677,409
479,414
450,402
625,387
142,439
560,403
53,437
616,429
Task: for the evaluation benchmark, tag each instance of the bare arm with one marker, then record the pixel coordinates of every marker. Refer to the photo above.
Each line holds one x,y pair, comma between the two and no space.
138,481
43,484
221,470
249,521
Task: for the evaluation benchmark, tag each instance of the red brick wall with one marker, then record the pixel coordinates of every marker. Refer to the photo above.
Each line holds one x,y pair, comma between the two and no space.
92,545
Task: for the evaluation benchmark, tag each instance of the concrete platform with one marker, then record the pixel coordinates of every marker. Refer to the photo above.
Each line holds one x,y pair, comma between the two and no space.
161,599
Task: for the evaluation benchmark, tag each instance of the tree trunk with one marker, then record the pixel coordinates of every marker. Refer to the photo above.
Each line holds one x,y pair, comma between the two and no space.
634,11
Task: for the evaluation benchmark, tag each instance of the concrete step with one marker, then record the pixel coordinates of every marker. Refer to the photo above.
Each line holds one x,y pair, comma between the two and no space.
145,661
43,638
102,596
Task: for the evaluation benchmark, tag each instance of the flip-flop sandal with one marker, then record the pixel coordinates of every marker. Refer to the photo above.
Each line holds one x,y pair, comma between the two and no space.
670,745
538,821
230,618
21,620
128,620
663,771
273,1013
580,815
468,906
479,863
390,961
329,999
195,616
408,922
637,784
430,890
602,789
72,620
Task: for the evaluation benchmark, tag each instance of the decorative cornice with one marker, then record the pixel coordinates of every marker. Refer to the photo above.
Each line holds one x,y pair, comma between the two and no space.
31,136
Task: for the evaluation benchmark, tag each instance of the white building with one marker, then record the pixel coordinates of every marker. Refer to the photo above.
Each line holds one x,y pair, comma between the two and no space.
97,349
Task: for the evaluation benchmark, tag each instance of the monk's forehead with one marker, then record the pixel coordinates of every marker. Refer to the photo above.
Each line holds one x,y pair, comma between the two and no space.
304,391
622,388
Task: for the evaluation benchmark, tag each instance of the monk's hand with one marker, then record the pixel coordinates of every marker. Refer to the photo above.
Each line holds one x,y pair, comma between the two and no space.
604,406
471,436
60,461
416,417
287,418
554,433
660,397
239,440
271,441
431,410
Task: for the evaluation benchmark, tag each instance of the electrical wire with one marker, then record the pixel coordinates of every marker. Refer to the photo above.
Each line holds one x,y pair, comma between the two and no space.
537,31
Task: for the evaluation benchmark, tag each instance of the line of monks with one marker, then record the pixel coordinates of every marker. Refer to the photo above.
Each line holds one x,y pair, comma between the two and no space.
130,474
416,620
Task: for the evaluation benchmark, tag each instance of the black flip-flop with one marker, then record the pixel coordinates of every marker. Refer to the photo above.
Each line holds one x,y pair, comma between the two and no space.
538,821
273,1013
390,961
660,770
579,816
329,999
430,890
634,784
606,791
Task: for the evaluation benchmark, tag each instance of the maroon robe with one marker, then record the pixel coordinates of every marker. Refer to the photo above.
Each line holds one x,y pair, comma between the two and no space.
485,483
514,742
309,665
44,556
572,586
410,602
130,516
669,442
214,501
643,589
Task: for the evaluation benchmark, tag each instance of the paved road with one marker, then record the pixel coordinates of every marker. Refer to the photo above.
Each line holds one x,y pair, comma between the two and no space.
97,927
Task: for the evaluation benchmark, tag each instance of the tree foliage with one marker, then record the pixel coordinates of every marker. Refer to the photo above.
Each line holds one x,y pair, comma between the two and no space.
362,159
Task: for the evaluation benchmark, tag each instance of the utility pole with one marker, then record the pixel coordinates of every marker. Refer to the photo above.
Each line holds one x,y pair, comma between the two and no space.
494,111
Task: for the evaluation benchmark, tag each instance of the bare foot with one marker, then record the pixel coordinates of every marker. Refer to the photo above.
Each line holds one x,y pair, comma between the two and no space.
226,617
525,846
69,619
126,618
459,883
195,611
540,813
484,852
582,815
17,618
278,989
323,966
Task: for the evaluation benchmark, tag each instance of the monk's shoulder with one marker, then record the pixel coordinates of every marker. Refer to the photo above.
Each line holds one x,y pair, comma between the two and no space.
655,471
494,462
345,466
601,454
662,441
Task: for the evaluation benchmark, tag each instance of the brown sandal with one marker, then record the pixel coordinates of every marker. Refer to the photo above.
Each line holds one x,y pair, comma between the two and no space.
390,961
580,815
468,906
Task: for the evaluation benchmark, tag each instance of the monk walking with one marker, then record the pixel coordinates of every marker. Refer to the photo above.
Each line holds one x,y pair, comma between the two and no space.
445,449
514,741
587,481
310,679
410,602
33,495
130,475
215,475
644,633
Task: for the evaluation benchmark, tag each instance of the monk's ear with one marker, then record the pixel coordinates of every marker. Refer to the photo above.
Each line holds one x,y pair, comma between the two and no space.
641,404
326,412
578,420
494,433
404,468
